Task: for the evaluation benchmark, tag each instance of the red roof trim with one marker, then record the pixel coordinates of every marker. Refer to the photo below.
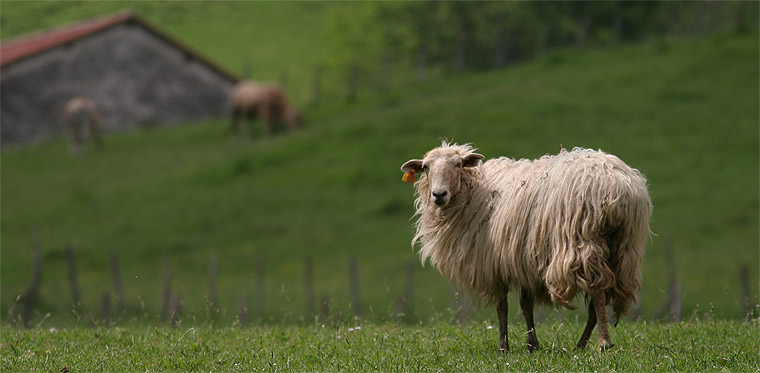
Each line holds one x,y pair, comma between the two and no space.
28,46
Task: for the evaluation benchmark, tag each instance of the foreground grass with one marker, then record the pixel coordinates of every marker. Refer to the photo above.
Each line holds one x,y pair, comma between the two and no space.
690,346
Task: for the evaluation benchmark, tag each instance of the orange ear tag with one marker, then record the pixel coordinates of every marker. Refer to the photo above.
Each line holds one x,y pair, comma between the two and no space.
409,177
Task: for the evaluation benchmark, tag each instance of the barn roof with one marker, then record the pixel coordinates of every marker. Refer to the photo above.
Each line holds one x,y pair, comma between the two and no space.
24,47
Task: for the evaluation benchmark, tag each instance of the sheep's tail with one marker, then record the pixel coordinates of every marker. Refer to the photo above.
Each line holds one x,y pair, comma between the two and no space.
627,250
599,244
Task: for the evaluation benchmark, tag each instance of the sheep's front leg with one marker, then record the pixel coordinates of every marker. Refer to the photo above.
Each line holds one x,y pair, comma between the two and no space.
71,133
526,304
600,304
234,118
590,324
502,309
266,121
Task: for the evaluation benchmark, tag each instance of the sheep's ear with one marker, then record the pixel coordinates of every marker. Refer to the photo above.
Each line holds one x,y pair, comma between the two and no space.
472,160
412,164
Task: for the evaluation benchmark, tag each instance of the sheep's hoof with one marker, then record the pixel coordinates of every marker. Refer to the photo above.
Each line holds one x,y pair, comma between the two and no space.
532,346
503,345
605,345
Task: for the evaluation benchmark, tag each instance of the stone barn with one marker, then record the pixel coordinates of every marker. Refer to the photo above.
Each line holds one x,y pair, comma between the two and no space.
136,74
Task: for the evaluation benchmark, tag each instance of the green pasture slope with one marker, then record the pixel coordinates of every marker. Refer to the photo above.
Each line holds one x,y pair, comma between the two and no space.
685,347
685,112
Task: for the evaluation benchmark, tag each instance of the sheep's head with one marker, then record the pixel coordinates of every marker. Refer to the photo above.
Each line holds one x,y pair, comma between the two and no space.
443,168
293,118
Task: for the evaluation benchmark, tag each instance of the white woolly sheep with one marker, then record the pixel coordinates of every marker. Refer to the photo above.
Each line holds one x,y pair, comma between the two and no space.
82,119
267,101
549,227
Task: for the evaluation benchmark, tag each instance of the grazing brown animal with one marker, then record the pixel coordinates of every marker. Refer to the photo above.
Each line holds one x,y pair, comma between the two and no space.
82,121
266,101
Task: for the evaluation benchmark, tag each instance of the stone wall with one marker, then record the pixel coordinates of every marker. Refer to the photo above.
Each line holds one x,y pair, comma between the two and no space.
135,77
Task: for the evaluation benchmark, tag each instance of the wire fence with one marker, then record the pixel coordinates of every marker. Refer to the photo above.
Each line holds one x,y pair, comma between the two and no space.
113,303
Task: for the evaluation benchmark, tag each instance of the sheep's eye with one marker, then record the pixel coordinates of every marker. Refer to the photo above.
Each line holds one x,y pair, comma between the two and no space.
425,168
458,165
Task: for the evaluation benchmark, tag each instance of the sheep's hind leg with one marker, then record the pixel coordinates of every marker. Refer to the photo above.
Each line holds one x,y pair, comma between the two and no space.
95,134
600,304
247,124
526,304
266,122
502,309
590,324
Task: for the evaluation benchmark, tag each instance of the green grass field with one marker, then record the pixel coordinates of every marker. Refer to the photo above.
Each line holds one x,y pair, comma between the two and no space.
684,112
693,346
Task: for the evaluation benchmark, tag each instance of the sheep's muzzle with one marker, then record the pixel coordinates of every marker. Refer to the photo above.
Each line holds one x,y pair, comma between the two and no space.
440,197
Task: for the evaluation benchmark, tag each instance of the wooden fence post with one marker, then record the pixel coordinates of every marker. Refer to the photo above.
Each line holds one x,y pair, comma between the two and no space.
118,286
260,285
243,309
164,297
246,71
616,27
540,315
316,84
405,302
501,49
637,307
353,279
308,280
213,272
542,41
325,308
581,34
422,61
284,77
73,284
106,308
352,83
461,306
409,290
174,309
387,71
741,17
745,302
673,306
29,296
458,54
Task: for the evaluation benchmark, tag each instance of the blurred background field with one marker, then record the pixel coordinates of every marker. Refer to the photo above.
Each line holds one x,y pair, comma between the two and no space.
682,108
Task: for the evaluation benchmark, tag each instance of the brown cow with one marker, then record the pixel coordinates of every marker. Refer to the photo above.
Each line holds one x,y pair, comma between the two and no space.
267,101
82,119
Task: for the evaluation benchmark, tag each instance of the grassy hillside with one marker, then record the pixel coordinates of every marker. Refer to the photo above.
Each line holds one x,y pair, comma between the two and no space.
683,112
